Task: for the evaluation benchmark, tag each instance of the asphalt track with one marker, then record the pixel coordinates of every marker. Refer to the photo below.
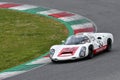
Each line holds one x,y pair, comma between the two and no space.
106,14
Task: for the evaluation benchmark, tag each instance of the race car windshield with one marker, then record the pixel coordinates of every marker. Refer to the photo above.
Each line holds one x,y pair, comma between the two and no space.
73,40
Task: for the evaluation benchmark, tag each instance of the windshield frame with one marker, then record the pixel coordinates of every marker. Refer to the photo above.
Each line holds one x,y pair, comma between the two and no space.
77,39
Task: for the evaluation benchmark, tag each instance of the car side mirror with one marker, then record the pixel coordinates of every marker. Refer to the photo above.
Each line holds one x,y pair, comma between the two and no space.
63,41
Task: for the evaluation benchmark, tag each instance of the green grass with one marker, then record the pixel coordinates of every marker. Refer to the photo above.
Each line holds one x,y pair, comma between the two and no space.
24,37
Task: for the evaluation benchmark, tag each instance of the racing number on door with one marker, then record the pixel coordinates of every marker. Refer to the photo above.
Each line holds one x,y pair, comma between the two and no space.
100,43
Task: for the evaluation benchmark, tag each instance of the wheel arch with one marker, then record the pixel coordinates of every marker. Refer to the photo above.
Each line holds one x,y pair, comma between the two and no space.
91,47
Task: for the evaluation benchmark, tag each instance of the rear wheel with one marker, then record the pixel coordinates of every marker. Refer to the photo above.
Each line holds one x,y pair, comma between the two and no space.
109,45
90,52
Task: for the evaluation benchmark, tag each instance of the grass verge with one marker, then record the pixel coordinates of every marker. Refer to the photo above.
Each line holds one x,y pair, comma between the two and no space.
25,36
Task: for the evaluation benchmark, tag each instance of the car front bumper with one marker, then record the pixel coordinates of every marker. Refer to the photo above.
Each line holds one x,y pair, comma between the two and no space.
64,58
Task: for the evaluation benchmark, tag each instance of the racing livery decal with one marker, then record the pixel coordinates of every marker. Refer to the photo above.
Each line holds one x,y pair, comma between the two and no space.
67,52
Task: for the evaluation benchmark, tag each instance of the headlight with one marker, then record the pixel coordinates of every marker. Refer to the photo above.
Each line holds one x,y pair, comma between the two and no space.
52,51
82,52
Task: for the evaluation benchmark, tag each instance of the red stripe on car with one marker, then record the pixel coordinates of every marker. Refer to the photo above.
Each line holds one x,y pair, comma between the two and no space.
99,49
67,52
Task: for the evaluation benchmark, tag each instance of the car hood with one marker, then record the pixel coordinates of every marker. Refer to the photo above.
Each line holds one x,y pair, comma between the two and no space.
66,50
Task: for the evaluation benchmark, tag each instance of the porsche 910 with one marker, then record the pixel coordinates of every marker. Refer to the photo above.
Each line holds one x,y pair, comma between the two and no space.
81,45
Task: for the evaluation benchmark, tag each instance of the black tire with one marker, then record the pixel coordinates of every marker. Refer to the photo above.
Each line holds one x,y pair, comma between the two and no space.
109,45
53,61
90,52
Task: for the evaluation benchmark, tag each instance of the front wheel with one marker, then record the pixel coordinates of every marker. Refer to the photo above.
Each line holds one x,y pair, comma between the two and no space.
90,53
53,61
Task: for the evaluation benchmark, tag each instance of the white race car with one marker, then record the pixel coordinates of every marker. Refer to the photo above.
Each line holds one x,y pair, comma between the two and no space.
81,45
